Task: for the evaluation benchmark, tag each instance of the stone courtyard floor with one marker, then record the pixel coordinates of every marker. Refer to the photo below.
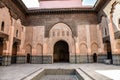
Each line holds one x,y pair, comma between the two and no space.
94,70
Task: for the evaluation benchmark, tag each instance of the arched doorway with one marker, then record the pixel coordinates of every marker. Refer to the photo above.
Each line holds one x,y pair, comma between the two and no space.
1,46
94,57
28,58
61,52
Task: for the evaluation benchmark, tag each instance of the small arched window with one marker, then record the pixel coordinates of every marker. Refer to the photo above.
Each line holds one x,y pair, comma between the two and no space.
58,34
105,31
16,33
67,33
2,26
53,34
119,23
22,29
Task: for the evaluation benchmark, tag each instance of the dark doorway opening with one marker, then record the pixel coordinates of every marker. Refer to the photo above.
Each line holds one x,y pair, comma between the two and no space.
94,57
28,58
61,52
1,50
109,53
14,53
1,46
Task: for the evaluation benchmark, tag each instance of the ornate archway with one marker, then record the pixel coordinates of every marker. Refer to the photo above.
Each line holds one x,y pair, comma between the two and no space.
61,32
61,51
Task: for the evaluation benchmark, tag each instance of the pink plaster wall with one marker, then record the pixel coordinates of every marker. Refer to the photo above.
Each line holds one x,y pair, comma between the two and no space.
60,4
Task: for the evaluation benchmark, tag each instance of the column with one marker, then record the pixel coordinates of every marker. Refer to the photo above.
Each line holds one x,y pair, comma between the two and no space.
115,56
9,43
77,51
33,56
21,57
112,37
101,55
89,55
47,57
5,57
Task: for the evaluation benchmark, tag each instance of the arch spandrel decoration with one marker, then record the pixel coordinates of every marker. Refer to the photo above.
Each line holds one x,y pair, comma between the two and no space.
60,29
115,11
39,49
83,48
28,49
94,47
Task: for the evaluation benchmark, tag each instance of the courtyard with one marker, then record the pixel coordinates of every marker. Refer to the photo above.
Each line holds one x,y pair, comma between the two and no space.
94,71
70,40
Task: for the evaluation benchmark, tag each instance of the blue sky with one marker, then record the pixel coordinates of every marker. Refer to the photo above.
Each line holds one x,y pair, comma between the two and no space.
89,2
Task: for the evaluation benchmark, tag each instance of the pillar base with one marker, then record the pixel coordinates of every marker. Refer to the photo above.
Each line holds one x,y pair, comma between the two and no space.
6,60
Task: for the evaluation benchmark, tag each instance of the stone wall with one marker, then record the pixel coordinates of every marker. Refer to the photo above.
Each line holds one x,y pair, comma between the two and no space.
73,20
41,30
14,10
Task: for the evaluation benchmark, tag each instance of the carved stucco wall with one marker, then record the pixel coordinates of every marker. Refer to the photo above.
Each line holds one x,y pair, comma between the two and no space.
73,20
6,18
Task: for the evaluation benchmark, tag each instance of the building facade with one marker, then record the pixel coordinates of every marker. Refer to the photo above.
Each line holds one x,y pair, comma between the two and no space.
72,35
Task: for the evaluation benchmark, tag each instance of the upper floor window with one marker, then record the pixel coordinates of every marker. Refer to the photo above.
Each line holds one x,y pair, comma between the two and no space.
16,33
67,33
105,31
2,26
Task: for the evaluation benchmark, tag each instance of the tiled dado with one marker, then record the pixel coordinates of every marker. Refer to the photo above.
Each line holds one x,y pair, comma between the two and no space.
90,58
21,59
101,58
84,58
6,60
116,59
36,59
47,59
41,59
72,59
81,58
